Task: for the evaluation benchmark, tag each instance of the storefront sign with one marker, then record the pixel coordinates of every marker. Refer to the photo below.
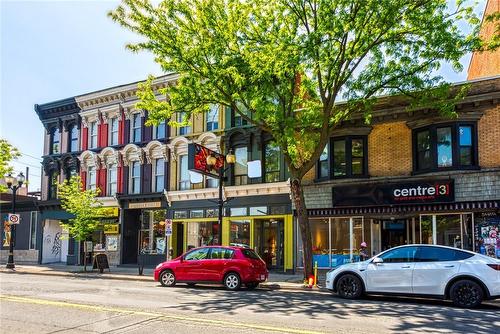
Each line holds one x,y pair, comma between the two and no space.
144,205
111,228
197,160
108,212
394,193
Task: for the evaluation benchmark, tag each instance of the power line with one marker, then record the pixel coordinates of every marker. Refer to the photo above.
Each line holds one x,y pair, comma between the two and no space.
26,164
31,156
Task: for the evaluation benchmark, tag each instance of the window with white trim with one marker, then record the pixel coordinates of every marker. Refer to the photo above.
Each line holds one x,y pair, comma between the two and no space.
91,177
135,177
159,175
112,180
213,117
113,131
184,179
135,128
93,135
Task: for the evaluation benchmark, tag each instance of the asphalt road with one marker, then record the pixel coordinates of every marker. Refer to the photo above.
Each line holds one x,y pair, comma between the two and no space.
49,304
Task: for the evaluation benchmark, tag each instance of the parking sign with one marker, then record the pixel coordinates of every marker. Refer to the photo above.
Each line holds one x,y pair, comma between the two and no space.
168,227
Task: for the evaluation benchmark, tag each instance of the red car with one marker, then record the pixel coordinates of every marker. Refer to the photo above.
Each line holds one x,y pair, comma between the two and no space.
231,266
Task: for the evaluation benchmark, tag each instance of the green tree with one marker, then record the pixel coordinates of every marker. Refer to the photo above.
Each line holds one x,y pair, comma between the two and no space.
283,64
7,154
83,205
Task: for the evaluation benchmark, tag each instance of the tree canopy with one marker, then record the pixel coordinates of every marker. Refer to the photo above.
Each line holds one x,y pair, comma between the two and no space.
7,154
83,205
283,65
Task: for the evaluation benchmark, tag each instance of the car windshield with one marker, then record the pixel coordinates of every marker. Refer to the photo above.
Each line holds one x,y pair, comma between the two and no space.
250,254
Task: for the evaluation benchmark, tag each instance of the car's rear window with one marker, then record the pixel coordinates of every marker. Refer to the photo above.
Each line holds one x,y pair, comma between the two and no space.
250,254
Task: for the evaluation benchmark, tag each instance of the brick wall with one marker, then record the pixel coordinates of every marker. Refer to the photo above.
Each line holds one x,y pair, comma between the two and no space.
389,150
486,64
489,138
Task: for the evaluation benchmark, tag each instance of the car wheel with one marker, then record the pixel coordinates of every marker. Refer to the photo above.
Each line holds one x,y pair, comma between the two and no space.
167,278
349,286
232,281
466,293
252,286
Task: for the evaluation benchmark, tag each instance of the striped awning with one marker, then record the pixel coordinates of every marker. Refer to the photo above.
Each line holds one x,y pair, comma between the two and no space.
403,209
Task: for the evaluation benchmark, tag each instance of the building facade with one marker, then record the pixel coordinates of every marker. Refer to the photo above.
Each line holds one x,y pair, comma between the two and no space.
409,177
61,139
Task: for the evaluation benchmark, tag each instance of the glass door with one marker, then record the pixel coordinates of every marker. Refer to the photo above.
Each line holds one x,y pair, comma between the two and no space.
269,241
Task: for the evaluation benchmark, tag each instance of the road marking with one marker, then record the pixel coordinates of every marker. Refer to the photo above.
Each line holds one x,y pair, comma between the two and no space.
97,308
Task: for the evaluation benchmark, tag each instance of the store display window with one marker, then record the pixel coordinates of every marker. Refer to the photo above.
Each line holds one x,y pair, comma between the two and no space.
202,234
240,233
152,233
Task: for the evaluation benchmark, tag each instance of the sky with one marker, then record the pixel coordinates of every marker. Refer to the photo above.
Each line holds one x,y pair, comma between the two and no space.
51,50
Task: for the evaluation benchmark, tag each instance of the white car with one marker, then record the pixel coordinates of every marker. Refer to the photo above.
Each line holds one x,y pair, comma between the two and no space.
464,277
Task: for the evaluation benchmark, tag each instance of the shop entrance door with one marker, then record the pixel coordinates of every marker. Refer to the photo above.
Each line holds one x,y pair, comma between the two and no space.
394,233
269,241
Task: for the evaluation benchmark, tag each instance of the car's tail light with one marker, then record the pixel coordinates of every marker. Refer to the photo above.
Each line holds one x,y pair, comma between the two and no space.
494,266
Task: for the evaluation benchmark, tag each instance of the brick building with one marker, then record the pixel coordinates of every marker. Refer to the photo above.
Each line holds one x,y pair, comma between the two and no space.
409,178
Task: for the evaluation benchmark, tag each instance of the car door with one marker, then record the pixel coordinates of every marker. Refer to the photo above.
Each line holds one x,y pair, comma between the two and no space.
191,267
214,265
434,268
394,274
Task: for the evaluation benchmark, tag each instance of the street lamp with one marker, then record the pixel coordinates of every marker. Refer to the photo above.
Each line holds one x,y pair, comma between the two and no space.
13,183
211,163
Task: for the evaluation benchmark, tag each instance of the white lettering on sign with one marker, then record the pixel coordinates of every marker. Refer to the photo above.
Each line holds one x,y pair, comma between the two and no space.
422,192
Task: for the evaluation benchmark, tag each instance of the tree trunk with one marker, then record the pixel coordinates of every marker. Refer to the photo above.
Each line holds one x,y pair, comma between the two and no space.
303,220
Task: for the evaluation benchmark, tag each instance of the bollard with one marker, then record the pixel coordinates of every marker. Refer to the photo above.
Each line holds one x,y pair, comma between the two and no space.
315,274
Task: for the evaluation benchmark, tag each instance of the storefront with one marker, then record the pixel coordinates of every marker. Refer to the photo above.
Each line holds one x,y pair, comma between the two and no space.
142,237
106,238
388,215
267,228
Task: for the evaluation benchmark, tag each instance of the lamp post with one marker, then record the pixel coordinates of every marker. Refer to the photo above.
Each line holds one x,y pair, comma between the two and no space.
211,162
13,183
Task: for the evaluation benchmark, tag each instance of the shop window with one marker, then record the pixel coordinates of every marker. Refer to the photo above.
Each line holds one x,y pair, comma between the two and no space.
241,166
213,118
323,164
212,213
33,223
198,254
73,138
400,255
92,134
113,131
272,162
202,234
152,233
183,130
135,129
184,179
91,177
258,211
447,146
98,240
180,214
239,233
196,213
238,212
55,141
159,177
135,177
349,157
112,180
159,130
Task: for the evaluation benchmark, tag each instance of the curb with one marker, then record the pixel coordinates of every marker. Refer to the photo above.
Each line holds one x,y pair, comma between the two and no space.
267,286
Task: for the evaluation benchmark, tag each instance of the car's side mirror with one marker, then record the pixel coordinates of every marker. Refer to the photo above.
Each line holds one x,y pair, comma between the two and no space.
378,261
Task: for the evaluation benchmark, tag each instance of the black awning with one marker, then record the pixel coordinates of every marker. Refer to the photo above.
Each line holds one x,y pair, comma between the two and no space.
397,209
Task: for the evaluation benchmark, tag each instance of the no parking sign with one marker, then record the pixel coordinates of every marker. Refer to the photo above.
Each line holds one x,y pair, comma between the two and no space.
14,218
168,227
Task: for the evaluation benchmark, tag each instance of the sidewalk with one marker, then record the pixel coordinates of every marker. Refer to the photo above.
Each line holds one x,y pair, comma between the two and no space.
275,280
